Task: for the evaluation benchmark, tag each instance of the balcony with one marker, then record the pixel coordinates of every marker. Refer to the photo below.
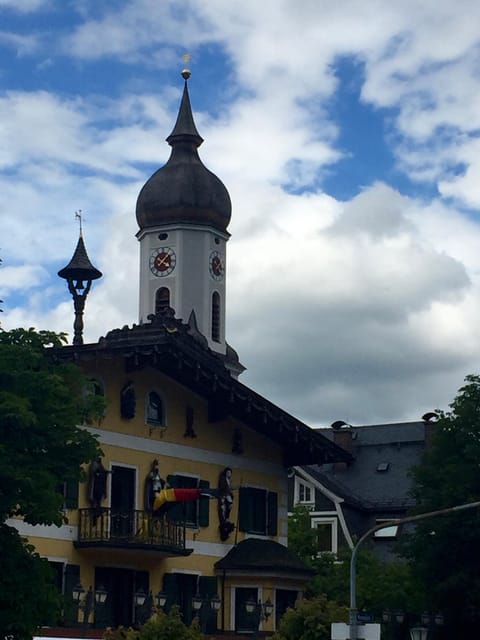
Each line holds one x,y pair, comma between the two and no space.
104,528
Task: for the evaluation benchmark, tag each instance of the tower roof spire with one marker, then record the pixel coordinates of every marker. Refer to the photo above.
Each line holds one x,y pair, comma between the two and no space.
80,268
185,129
184,190
79,274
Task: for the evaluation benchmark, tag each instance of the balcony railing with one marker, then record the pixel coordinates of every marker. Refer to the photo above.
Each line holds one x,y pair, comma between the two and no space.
140,529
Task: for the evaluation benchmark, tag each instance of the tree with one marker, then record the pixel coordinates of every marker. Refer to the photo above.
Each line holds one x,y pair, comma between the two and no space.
161,626
311,619
380,585
41,447
445,551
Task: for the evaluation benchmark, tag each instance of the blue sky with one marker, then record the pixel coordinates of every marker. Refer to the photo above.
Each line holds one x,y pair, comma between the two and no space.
348,137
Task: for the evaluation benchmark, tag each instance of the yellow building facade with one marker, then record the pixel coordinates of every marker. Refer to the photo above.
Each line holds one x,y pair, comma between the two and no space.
178,419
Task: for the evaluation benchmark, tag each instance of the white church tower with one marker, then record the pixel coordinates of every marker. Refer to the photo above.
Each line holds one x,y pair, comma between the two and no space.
183,212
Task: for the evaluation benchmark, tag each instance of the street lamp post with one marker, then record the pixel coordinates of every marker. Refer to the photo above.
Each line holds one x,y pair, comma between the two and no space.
396,618
261,610
205,608
395,522
144,602
418,633
88,602
428,621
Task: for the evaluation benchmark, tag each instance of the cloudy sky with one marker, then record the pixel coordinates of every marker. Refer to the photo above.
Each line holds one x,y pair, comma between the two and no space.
348,136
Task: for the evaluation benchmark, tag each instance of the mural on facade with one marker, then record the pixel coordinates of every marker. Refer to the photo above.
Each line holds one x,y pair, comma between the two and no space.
97,487
225,503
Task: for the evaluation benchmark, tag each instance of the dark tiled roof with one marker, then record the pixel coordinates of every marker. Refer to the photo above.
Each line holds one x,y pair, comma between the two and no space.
184,190
266,556
180,351
378,478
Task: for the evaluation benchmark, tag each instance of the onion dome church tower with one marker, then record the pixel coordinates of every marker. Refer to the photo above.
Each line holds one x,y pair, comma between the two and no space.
183,212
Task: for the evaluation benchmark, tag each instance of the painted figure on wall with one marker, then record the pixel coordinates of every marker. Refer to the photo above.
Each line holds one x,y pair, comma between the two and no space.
225,503
154,483
97,486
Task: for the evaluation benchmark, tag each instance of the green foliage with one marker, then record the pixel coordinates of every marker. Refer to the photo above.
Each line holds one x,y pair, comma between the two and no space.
161,626
310,620
302,537
26,592
41,446
121,633
380,585
445,551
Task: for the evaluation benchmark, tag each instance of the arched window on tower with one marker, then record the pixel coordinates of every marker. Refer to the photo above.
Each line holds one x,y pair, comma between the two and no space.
162,299
155,409
215,317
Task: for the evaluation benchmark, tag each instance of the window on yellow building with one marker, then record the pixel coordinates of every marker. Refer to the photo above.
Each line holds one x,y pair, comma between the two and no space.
194,513
258,511
155,409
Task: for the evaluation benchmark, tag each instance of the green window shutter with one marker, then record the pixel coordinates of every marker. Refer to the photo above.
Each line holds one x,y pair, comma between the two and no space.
71,494
207,586
183,511
171,590
272,513
244,509
72,579
204,506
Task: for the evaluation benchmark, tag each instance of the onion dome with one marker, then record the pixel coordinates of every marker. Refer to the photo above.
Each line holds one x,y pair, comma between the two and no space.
184,190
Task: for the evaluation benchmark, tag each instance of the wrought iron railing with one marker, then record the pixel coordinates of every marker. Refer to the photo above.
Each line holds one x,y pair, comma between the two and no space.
129,527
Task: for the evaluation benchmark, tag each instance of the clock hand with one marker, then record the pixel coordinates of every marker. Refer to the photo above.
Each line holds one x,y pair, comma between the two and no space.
165,259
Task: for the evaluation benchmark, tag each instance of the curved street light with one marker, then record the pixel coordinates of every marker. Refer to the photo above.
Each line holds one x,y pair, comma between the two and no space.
395,522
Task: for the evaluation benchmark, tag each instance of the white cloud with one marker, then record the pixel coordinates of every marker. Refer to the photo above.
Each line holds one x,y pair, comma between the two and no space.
362,310
24,6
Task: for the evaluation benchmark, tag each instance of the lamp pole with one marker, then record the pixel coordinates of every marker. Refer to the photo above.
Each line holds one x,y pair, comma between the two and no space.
261,610
390,523
144,604
205,607
88,603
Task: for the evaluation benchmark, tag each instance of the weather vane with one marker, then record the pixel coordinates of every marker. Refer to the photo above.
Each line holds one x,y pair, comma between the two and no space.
78,216
186,73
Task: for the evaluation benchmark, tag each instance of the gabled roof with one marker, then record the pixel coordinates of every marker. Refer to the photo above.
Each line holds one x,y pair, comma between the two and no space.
263,556
378,478
176,349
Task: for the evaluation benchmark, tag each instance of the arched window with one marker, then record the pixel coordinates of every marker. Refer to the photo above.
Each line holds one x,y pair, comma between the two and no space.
93,395
155,409
162,299
215,317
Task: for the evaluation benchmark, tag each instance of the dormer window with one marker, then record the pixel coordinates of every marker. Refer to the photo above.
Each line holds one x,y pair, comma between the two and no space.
304,492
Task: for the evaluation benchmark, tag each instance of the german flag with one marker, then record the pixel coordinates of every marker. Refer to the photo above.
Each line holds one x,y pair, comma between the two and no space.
175,495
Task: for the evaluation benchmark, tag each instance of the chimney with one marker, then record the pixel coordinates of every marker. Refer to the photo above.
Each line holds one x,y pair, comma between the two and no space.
429,420
343,437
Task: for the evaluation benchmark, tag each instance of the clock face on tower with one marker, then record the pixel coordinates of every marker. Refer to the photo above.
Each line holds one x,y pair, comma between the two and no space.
216,266
162,261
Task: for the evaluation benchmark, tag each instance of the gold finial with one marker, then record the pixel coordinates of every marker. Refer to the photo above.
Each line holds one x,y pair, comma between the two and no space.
78,216
186,73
